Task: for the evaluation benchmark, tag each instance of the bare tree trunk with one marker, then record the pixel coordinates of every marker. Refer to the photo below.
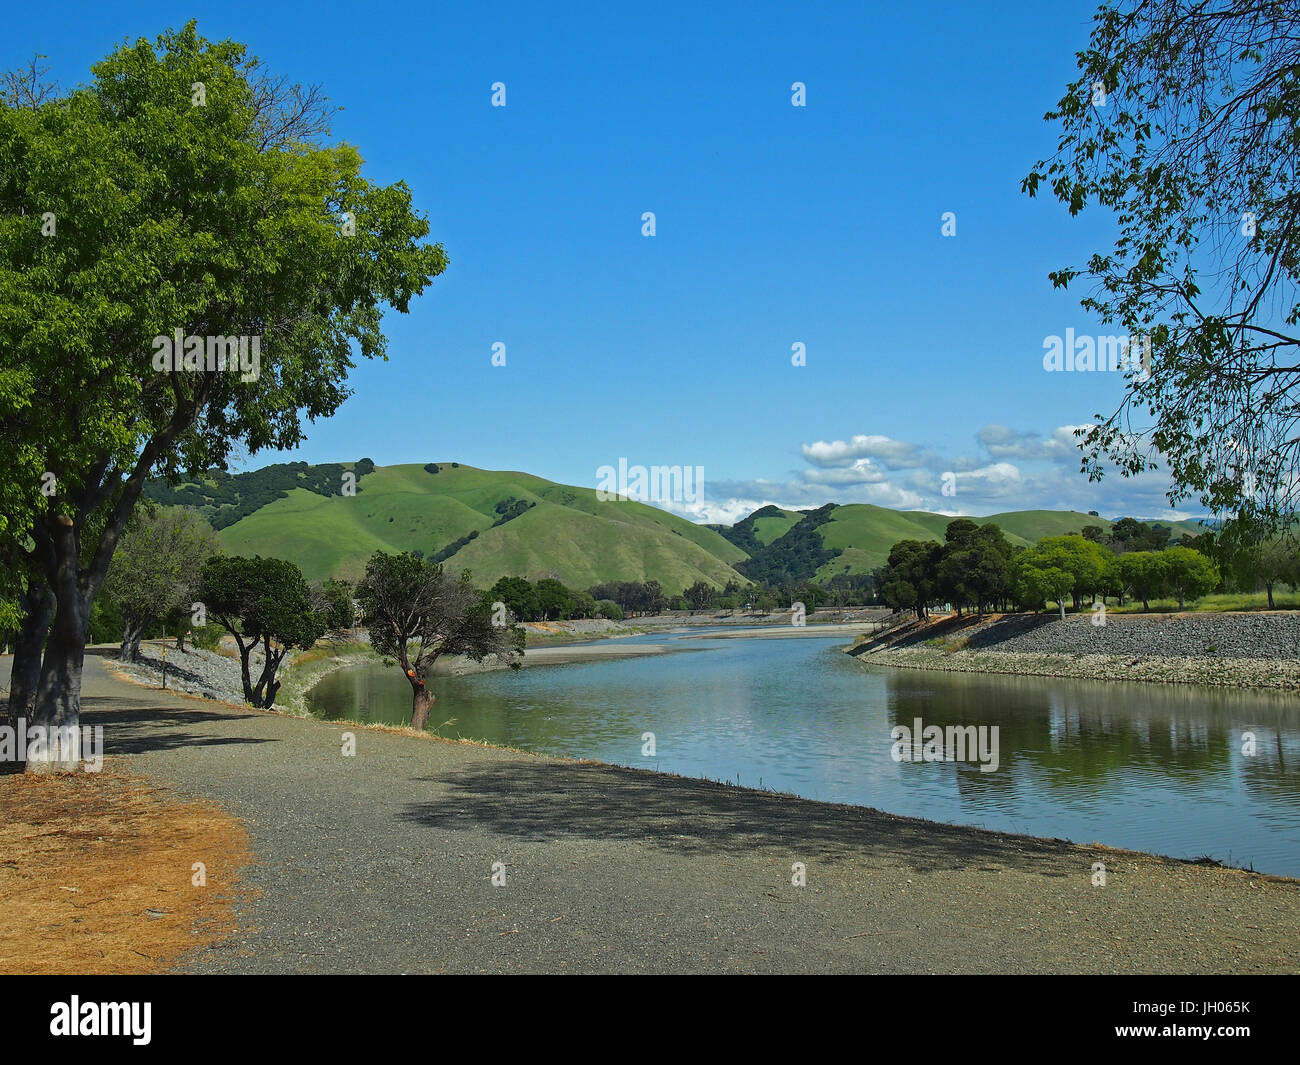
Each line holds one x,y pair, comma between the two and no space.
57,708
246,649
421,704
267,686
131,635
37,604
58,693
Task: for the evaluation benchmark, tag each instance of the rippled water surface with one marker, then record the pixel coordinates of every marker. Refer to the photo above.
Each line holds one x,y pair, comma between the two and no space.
1142,766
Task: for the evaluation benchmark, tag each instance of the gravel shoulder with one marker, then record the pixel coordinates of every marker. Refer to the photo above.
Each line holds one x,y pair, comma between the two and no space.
382,861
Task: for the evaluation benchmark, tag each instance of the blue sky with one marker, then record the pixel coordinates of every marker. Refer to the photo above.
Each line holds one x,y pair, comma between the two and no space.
774,225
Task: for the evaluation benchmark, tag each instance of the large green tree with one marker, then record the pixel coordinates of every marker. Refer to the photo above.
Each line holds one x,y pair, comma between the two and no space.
181,189
1144,574
1189,573
1182,125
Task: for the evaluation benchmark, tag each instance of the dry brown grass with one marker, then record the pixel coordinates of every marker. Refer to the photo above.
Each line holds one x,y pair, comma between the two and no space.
95,874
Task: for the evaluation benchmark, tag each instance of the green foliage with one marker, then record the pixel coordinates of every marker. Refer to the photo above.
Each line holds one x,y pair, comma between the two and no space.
207,637
553,600
519,597
699,596
261,599
1129,534
106,621
1085,562
222,219
911,579
155,569
453,547
607,608
582,605
509,509
745,533
632,597
1037,580
1143,574
1189,573
335,605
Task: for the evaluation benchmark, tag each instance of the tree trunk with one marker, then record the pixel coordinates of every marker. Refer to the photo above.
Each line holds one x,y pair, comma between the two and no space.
421,703
131,635
1061,603
58,694
267,686
37,603
246,649
1269,586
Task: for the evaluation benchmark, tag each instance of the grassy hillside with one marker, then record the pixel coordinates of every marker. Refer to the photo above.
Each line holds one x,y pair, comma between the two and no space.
498,523
567,533
1032,525
773,527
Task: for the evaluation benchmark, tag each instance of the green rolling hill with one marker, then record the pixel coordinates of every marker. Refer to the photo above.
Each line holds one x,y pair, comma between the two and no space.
774,526
506,523
566,532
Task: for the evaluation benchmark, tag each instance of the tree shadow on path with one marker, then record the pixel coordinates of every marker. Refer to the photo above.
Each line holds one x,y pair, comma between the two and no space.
545,801
130,728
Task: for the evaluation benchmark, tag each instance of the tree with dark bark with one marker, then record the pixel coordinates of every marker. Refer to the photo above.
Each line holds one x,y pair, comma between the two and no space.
410,603
181,197
266,601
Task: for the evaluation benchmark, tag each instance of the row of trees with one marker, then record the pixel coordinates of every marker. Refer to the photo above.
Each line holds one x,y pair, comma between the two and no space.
734,596
549,600
977,567
1061,567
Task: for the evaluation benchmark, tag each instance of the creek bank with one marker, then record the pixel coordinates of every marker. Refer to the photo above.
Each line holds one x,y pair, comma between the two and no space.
1246,650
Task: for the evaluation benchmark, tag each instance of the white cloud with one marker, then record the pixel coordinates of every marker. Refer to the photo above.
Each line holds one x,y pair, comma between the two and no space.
862,471
895,454
1012,469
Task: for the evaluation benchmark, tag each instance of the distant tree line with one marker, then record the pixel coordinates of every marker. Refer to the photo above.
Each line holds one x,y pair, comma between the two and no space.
976,568
223,498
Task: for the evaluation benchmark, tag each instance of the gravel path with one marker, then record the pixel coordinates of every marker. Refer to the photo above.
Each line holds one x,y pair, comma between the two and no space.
382,862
